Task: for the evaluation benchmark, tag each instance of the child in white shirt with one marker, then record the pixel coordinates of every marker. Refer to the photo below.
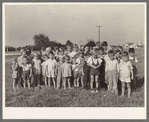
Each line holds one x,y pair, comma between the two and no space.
111,72
126,73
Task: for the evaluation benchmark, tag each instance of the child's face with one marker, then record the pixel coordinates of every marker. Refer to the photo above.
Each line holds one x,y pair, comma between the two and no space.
131,54
67,60
51,56
24,53
25,61
75,49
118,55
45,58
14,61
86,49
100,52
74,61
111,56
61,59
105,47
36,56
125,58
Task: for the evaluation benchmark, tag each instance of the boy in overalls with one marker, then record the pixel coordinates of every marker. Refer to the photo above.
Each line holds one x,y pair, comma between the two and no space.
94,62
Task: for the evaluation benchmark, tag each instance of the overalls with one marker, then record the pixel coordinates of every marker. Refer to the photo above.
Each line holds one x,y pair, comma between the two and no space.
95,72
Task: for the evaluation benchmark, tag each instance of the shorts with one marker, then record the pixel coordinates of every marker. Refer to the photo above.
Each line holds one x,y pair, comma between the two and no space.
95,72
126,80
76,74
25,76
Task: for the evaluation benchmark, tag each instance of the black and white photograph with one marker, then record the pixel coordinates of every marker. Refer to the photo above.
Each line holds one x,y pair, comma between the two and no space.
74,60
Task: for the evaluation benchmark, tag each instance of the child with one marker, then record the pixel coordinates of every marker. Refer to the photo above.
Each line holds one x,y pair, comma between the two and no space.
86,72
26,72
36,63
111,72
117,55
67,72
126,73
51,66
80,62
134,62
15,74
75,73
59,71
94,62
44,69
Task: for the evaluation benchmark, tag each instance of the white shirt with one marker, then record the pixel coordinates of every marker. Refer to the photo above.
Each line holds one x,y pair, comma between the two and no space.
51,64
72,54
131,58
91,60
75,65
106,58
26,67
111,65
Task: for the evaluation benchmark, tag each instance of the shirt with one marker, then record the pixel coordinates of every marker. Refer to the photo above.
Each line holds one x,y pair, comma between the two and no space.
36,66
51,65
106,58
111,65
26,67
91,60
133,58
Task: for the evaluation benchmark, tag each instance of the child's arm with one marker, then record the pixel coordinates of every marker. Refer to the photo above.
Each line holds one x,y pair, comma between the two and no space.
131,71
30,72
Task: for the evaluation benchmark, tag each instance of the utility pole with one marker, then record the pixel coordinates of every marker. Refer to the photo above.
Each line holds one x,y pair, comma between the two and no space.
99,32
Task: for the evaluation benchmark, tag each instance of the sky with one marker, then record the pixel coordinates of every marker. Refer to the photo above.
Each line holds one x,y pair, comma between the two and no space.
121,23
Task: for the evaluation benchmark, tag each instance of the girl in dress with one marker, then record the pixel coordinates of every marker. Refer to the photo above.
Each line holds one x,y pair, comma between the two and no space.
44,69
67,72
134,61
36,63
26,72
94,62
126,73
111,73
15,74
51,67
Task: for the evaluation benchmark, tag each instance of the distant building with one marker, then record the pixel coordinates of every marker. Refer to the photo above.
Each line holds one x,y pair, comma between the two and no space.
131,45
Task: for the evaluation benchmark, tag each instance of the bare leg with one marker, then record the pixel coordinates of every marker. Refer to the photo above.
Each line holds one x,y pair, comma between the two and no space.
49,82
96,80
28,83
14,84
75,82
129,89
46,85
68,80
64,83
54,82
82,82
92,81
123,88
78,81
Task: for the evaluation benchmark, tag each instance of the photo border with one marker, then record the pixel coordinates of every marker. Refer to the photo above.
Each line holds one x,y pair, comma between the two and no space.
85,1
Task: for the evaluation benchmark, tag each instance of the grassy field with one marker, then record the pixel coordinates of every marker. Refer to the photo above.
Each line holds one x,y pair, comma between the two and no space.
50,97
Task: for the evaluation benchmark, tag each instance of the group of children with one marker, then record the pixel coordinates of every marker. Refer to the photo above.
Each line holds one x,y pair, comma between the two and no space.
85,67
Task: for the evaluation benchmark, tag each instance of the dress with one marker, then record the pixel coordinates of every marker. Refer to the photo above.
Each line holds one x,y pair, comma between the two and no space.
51,68
15,71
36,66
125,70
44,68
66,70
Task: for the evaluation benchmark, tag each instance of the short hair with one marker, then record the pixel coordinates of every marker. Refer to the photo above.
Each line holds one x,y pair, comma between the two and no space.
125,54
110,52
120,47
51,52
25,57
131,50
45,55
117,51
67,57
101,48
104,43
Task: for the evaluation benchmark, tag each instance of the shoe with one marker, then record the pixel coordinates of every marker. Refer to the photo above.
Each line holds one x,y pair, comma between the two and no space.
92,91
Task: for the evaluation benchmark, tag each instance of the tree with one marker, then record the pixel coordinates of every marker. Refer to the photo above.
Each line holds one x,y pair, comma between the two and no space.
41,41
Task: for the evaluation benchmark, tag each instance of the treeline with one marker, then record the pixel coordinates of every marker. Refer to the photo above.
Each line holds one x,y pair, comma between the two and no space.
42,41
